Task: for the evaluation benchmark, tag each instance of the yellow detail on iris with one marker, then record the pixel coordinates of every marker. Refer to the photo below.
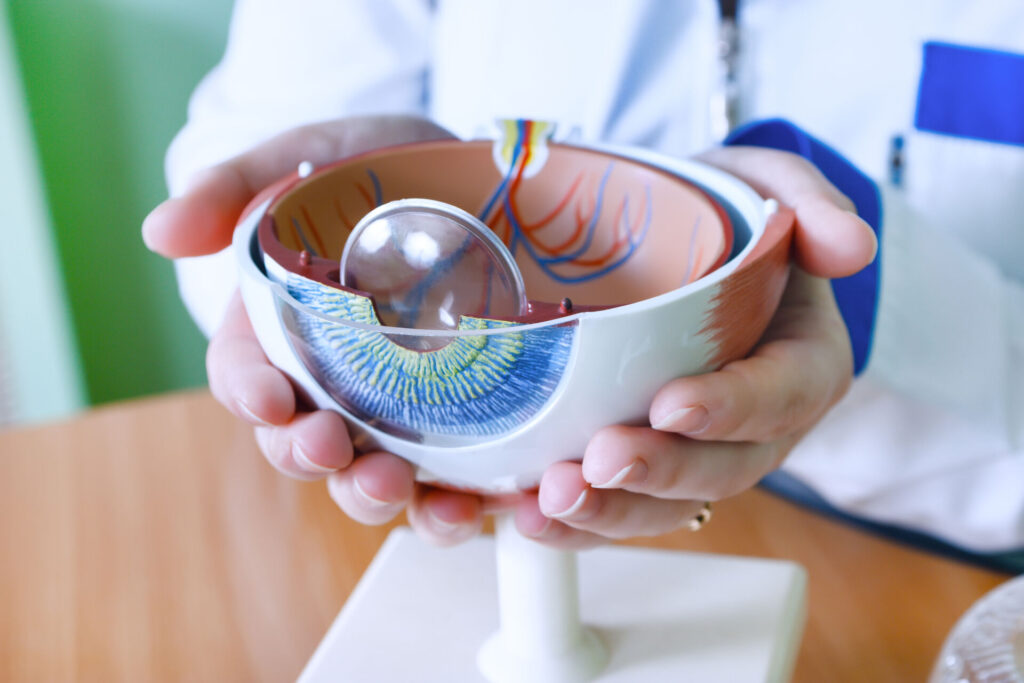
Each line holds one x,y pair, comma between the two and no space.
474,386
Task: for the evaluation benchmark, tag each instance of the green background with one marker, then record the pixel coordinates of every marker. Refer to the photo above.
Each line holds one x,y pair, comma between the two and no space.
107,85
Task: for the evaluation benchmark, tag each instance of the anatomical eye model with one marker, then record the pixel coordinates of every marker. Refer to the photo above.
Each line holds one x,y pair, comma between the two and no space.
600,275
483,308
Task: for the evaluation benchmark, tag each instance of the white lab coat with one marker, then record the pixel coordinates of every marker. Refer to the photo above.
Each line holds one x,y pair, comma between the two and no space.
931,436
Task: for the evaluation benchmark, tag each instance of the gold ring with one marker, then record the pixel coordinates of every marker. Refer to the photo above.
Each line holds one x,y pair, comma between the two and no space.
701,518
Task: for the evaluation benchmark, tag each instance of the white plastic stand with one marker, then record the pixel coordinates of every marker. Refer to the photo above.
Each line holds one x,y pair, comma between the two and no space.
541,638
421,614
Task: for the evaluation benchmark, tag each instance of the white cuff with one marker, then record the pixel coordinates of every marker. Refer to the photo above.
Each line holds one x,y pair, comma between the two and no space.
206,284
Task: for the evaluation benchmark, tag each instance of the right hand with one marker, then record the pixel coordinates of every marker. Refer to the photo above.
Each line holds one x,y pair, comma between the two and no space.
373,487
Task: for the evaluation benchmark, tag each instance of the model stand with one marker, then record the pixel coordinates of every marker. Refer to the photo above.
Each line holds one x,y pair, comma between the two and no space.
425,614
441,325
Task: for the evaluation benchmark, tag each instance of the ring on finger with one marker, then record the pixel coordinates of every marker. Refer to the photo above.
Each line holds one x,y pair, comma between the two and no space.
701,518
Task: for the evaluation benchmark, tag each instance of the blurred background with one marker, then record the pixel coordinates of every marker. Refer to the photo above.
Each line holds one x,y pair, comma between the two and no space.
91,93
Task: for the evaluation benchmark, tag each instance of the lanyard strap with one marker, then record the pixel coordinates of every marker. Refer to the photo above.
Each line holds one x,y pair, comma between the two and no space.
724,107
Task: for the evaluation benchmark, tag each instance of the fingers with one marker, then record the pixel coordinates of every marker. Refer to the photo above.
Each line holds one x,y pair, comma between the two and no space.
532,523
310,447
830,239
717,434
801,368
377,486
566,497
241,378
201,221
371,489
445,518
644,461
374,488
635,481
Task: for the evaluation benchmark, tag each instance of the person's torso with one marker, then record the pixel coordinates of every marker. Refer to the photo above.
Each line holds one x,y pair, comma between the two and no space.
649,73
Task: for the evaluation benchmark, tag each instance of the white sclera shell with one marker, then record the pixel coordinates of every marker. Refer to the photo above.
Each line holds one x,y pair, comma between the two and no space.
618,357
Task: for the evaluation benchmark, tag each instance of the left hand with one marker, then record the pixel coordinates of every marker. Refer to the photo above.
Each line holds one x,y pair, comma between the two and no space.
302,443
715,435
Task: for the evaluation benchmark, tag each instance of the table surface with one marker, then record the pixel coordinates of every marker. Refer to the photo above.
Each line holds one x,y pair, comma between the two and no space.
149,541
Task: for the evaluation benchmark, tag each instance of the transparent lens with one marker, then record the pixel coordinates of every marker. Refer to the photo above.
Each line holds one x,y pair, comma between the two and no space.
426,264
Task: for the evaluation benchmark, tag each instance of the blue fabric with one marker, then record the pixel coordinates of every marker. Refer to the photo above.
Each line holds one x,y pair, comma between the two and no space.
856,295
792,489
972,93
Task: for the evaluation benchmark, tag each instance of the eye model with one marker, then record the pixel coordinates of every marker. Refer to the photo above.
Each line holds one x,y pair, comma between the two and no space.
483,307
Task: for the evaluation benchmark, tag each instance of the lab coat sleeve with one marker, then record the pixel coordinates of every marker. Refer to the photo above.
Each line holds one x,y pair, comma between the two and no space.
287,64
931,436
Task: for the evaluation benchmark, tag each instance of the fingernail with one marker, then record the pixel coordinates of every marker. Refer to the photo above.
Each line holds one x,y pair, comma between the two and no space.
251,416
303,460
572,509
367,499
688,420
636,471
441,525
262,439
874,242
147,233
537,533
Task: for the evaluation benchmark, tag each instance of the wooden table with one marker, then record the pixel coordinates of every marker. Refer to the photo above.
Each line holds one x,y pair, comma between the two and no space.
149,541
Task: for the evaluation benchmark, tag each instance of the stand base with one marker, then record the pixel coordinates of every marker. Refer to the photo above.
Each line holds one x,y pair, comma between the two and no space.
421,614
499,665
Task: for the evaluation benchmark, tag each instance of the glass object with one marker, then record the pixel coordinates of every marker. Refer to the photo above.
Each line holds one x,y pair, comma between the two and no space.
987,643
426,264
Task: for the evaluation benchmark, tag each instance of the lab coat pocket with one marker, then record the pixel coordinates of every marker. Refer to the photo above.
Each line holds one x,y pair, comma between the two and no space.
964,160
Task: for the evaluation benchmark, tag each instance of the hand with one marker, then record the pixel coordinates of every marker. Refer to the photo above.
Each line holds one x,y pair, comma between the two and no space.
373,487
715,435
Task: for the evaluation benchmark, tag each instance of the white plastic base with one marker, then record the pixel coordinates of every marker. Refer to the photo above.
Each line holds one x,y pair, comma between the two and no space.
421,614
541,638
499,664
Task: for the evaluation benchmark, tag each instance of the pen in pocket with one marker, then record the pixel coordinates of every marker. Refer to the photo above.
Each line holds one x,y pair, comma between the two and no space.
897,161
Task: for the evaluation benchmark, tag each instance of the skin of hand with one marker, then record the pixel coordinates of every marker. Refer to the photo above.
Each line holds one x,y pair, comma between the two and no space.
712,435
370,487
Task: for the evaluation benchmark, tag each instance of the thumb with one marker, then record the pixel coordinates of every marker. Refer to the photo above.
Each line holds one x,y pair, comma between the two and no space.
202,220
830,240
